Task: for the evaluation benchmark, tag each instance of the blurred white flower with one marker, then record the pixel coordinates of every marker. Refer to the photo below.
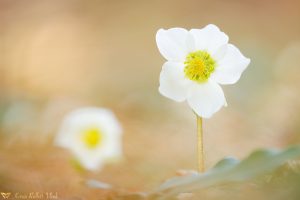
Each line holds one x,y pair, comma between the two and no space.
93,135
197,62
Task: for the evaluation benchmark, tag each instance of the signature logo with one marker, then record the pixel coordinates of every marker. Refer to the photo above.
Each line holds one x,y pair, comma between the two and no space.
5,195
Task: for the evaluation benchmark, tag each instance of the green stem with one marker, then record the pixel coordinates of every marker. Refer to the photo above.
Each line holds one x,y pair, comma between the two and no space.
201,167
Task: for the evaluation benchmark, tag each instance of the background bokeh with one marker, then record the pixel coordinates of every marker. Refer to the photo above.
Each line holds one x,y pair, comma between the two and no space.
59,55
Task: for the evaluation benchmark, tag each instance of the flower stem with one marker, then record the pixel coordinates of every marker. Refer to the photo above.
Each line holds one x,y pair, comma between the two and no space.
200,145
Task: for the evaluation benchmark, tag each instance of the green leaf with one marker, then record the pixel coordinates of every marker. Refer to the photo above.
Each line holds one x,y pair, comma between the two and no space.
228,170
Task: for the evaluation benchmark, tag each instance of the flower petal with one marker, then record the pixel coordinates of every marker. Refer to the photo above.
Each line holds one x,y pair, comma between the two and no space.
220,53
206,99
90,161
173,43
230,67
173,84
209,38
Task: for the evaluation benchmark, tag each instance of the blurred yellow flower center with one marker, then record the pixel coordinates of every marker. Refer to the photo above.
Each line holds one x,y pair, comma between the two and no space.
92,137
198,66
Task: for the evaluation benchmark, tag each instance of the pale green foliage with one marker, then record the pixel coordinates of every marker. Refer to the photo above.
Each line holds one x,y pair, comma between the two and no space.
228,170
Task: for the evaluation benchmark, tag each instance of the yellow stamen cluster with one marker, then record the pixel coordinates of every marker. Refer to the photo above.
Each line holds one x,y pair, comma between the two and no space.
198,66
92,137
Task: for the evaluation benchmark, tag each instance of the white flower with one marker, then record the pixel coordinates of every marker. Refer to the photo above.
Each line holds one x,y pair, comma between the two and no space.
93,135
197,62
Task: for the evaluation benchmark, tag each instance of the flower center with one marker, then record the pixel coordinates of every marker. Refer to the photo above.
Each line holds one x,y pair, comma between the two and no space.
92,137
198,66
